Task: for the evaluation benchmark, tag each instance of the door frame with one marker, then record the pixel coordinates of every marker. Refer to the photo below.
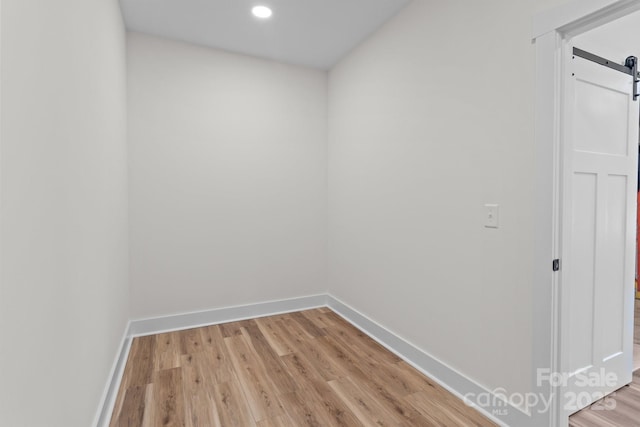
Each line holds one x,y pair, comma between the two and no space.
551,34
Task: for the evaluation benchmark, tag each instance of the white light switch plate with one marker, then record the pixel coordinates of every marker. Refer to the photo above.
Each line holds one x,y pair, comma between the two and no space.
492,213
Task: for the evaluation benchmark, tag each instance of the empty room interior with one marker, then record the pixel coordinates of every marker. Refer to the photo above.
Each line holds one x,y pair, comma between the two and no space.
288,213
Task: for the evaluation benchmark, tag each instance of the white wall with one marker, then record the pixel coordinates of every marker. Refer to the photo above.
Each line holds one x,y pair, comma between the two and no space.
430,119
616,40
64,290
228,178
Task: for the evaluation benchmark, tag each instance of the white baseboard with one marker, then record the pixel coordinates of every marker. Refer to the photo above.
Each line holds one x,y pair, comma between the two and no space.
196,319
501,412
103,416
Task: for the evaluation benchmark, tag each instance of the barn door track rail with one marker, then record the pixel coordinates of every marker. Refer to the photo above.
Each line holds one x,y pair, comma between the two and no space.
630,67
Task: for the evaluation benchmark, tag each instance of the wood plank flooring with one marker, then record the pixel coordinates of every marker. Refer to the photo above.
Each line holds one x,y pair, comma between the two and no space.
625,414
636,331
627,400
310,368
636,337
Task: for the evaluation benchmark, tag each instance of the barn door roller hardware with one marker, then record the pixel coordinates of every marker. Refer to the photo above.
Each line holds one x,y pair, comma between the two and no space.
630,67
632,64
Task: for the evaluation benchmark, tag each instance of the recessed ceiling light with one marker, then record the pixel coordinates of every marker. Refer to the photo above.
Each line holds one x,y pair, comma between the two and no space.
262,12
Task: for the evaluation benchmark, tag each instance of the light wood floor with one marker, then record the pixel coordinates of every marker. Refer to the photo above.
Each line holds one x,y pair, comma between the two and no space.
310,368
636,331
627,399
636,337
625,414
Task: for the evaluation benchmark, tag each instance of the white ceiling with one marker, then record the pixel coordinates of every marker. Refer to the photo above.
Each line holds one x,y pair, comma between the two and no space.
314,33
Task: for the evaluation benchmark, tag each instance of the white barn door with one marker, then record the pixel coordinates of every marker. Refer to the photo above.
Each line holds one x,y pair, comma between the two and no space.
600,161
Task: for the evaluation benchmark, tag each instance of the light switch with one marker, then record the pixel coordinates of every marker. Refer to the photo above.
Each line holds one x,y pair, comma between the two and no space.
491,216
